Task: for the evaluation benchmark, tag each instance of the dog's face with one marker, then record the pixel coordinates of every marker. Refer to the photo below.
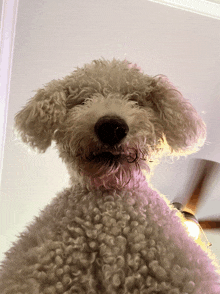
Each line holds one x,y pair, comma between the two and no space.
108,138
108,120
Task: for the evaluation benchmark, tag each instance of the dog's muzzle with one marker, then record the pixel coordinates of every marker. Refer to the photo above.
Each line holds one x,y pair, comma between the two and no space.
111,129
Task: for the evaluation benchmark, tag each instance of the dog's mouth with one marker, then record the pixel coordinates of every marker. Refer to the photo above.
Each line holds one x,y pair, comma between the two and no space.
106,157
113,167
111,157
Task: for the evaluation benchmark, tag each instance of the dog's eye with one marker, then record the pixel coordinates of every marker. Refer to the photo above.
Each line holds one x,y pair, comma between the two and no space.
143,100
134,97
71,102
137,99
134,100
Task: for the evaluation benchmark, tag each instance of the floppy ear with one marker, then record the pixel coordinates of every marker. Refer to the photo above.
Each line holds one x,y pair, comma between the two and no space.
183,128
39,119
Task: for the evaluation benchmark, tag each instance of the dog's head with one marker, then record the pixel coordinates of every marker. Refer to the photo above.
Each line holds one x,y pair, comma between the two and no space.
109,119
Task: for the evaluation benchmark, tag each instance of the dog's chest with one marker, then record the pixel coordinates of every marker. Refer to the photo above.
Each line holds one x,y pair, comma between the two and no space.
111,242
116,241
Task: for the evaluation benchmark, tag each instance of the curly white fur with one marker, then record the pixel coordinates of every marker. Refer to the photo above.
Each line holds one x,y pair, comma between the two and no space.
110,232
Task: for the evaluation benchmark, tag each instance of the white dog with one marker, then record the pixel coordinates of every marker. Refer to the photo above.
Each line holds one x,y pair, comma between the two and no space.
109,232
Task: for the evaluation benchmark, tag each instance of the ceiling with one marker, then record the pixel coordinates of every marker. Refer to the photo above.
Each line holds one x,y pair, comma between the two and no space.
210,8
53,37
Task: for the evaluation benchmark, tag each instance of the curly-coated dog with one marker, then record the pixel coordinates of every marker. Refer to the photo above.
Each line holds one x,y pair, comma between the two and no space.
109,232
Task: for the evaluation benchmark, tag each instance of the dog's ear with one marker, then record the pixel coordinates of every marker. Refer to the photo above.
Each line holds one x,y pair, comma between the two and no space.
40,118
182,127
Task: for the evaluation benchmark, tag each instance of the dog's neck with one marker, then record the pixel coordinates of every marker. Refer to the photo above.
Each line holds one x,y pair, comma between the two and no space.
134,179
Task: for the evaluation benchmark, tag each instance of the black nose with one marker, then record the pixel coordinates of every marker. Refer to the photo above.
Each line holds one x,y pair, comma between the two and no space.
111,129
